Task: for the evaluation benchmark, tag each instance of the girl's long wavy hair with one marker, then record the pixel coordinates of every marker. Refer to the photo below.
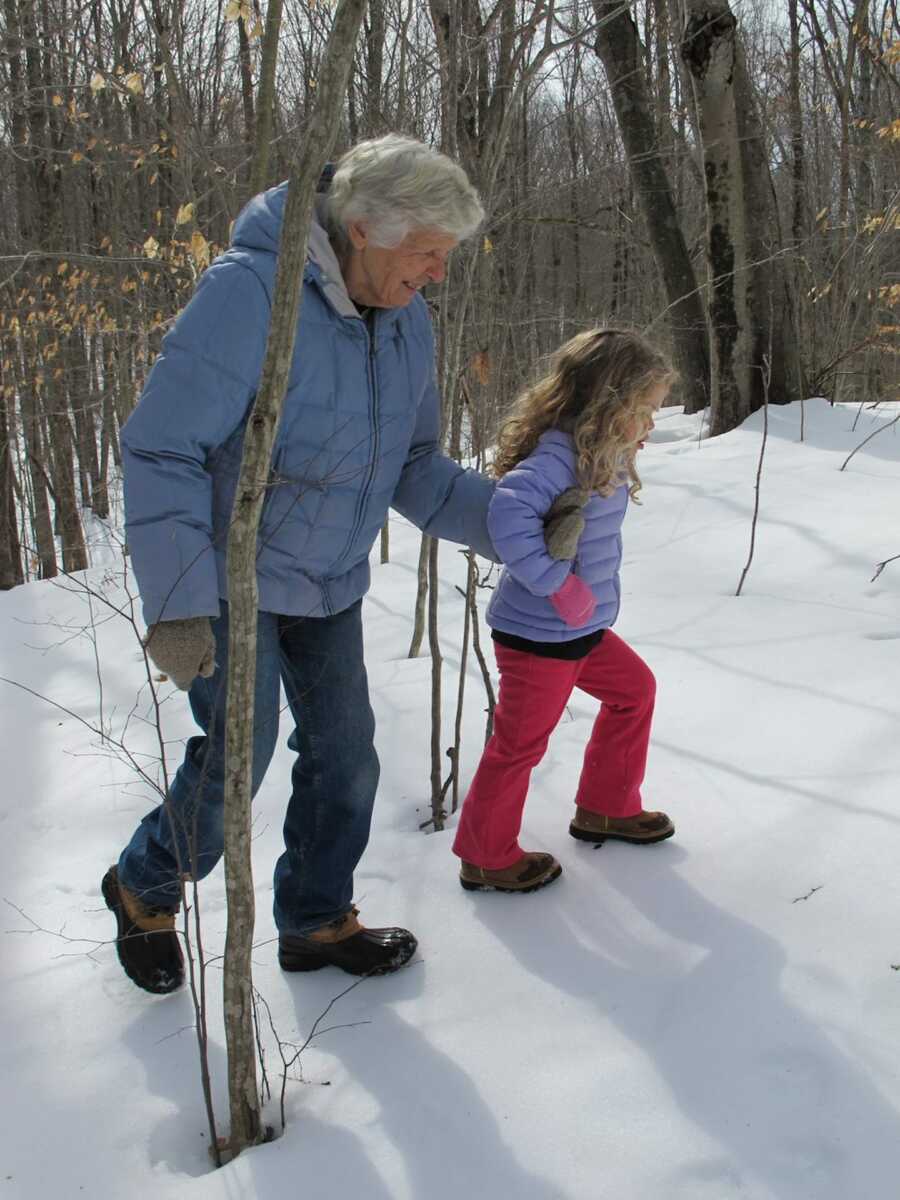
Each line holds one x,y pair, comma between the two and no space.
597,384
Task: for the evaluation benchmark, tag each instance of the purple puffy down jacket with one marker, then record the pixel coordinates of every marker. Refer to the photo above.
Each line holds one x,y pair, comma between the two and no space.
521,601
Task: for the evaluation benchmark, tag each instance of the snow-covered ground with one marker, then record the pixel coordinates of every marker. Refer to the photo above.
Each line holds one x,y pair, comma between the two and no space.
717,1016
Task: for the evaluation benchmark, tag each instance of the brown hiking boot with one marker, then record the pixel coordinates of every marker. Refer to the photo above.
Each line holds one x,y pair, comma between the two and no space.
346,944
641,829
532,871
147,944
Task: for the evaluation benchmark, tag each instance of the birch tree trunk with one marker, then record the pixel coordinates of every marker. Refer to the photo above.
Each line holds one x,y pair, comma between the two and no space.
242,582
751,306
708,49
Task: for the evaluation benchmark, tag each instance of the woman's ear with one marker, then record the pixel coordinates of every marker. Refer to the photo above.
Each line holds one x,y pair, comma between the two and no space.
356,232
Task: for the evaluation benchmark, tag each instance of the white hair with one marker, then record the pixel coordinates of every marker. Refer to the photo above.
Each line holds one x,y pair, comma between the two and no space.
395,184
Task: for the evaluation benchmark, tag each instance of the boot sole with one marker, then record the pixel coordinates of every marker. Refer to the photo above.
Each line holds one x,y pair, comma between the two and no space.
473,886
110,891
314,961
597,839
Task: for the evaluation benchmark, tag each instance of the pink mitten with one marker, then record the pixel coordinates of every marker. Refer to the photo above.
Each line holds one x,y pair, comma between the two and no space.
574,602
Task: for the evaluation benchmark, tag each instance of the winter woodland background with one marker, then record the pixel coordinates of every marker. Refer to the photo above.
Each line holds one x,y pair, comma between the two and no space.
725,177
729,183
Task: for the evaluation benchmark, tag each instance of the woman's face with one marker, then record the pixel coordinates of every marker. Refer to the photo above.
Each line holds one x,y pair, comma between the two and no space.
389,277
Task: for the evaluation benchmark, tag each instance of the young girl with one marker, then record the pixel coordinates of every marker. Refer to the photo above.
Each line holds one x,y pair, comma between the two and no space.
566,464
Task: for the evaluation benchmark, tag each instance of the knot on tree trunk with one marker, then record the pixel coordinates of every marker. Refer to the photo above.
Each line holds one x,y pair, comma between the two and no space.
703,33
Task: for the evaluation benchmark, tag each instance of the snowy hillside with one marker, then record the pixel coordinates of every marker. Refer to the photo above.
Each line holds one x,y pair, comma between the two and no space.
714,1017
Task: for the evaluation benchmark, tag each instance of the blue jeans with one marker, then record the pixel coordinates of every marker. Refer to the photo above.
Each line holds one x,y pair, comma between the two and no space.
334,777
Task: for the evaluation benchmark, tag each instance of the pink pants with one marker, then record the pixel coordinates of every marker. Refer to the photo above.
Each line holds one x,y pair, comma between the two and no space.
533,693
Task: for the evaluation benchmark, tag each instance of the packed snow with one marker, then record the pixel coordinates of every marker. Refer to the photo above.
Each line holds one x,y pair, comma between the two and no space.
716,1016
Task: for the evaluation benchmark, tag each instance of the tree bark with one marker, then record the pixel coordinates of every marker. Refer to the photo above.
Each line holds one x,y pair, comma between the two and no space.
618,47
421,598
265,101
776,376
244,58
751,307
437,662
68,516
11,572
709,50
41,519
374,42
242,582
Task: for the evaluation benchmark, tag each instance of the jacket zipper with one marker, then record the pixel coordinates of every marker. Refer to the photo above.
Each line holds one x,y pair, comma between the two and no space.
373,414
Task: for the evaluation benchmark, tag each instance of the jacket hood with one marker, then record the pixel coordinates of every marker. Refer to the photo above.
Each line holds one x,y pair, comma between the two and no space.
258,229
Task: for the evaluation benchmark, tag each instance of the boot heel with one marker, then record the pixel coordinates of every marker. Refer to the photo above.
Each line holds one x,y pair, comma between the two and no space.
584,835
474,887
302,960
110,892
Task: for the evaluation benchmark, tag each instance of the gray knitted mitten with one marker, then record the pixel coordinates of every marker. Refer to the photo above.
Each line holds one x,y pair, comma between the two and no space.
564,523
182,649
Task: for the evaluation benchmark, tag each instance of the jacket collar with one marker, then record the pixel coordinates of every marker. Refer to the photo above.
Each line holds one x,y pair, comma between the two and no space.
323,269
322,265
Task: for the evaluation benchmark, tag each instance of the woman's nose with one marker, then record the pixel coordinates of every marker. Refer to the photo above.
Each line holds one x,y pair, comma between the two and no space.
437,270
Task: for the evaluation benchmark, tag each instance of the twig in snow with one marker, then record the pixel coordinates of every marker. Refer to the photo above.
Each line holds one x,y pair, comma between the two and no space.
874,433
811,892
767,376
880,566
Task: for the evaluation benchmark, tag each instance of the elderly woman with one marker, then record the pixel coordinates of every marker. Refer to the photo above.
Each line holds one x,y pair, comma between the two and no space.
359,433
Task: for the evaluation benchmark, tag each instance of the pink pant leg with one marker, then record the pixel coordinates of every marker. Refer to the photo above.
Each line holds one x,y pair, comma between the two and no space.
616,755
533,694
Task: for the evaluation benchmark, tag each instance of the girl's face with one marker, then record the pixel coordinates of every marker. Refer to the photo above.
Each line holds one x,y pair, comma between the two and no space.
642,422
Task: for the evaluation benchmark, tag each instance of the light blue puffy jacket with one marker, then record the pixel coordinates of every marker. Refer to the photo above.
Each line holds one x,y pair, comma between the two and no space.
359,433
521,601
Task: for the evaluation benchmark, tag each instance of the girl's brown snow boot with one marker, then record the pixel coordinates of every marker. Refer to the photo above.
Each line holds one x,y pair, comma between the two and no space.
532,871
643,828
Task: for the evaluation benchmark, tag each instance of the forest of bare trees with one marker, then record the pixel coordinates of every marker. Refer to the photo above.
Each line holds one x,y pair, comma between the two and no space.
724,177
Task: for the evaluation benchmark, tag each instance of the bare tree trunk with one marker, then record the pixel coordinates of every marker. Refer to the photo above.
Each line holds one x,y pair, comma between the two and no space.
18,119
434,645
798,190
618,47
68,517
247,91
421,598
98,404
482,664
385,541
41,520
468,597
774,346
709,50
242,582
374,67
79,376
265,101
798,172
10,550
751,306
